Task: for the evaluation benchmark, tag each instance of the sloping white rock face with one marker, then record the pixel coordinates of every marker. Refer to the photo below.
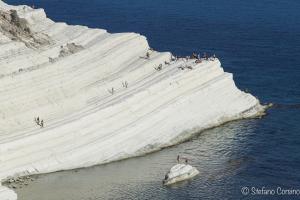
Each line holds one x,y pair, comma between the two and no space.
100,98
6,194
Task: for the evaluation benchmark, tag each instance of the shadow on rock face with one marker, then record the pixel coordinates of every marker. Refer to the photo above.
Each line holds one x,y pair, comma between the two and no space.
19,22
17,29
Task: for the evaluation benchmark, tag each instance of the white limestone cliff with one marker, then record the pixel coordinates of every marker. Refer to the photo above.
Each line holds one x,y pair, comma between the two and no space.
7,194
100,98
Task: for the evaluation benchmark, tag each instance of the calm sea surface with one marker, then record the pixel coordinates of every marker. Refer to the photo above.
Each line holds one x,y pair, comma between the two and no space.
258,41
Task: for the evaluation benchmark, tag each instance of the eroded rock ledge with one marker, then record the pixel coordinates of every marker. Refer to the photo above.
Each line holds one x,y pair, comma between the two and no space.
17,29
102,97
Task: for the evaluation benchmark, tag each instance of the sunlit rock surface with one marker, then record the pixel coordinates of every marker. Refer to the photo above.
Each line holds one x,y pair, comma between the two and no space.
180,172
100,96
7,194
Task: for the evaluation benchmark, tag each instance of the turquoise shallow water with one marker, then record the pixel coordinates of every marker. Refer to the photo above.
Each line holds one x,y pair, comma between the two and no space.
259,42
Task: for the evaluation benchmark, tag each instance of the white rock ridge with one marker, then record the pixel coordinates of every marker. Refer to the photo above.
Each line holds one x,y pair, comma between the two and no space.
7,194
100,97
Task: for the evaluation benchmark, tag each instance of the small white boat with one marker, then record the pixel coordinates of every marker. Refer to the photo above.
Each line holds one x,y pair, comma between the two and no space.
180,172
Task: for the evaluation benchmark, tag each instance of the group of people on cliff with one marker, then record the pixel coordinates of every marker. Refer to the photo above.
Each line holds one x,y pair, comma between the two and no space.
196,56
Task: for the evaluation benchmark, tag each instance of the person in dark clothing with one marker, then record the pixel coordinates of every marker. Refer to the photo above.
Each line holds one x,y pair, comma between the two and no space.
37,120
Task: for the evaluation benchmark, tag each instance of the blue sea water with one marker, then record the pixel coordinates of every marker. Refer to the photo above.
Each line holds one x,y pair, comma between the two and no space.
259,42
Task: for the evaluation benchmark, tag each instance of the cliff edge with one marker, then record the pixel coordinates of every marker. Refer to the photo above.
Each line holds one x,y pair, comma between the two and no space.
71,96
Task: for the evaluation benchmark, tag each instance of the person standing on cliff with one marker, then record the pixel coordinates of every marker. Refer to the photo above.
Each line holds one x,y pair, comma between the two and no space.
37,120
